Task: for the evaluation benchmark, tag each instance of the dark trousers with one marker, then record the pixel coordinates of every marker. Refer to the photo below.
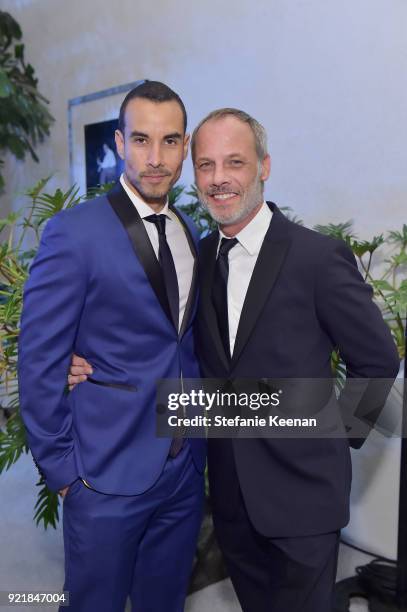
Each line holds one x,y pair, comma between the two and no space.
140,546
278,574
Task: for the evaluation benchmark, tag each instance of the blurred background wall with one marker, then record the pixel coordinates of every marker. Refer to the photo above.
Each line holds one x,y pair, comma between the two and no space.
327,80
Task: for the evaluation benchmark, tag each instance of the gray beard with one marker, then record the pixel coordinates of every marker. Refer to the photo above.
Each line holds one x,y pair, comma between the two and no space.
252,198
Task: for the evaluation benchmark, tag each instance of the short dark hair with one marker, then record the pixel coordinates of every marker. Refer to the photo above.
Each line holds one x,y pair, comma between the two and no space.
154,91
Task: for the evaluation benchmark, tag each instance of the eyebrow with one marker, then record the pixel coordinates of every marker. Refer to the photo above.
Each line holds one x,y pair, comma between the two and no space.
174,135
136,133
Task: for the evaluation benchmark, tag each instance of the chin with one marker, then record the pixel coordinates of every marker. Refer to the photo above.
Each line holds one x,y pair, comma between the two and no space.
227,218
155,195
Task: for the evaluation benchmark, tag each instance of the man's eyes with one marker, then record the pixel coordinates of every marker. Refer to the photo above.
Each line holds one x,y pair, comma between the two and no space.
234,163
143,140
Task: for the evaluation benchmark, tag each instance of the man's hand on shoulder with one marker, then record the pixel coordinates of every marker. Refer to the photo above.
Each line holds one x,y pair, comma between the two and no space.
79,371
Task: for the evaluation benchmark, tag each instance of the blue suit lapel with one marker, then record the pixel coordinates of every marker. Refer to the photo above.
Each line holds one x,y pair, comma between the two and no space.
134,226
140,241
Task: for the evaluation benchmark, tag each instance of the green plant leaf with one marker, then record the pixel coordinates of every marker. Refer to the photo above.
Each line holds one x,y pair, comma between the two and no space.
288,211
6,88
24,117
11,219
46,508
341,231
19,52
9,27
12,442
382,285
366,246
399,260
399,237
175,194
16,145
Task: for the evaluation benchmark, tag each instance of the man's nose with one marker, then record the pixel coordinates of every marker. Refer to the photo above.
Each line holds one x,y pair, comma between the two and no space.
154,156
219,176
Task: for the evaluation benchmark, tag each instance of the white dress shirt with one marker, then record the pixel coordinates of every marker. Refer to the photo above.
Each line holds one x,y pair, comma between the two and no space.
177,241
242,259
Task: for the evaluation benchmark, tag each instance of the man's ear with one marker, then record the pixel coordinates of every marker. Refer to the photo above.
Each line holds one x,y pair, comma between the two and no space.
119,139
265,168
187,138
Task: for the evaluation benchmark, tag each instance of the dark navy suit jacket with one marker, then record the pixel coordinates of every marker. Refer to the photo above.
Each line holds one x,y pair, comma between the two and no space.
96,289
305,298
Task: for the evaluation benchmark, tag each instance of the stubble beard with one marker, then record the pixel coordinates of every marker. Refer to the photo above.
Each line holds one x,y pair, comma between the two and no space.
153,197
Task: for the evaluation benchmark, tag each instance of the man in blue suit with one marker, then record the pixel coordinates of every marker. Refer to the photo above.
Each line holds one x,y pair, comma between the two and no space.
115,279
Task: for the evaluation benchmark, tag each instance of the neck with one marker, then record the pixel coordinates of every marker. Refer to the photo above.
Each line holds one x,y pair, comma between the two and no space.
156,204
233,229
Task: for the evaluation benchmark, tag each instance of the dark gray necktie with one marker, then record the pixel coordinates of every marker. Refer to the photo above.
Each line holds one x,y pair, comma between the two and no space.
167,265
220,290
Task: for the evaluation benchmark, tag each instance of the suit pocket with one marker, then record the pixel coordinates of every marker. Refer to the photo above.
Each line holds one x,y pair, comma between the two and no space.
112,385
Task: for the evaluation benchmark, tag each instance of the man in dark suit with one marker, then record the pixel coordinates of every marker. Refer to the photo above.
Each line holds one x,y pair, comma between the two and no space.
115,279
291,296
275,300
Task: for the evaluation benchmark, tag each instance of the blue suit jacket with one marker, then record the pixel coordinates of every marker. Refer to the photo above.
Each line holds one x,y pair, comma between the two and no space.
96,289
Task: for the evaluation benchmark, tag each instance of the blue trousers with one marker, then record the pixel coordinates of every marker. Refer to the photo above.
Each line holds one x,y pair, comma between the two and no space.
140,546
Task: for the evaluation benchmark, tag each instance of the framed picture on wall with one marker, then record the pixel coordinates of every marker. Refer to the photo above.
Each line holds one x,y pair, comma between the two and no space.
103,165
92,121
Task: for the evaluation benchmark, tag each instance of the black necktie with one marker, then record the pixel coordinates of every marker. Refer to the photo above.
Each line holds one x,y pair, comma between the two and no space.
171,283
220,290
167,265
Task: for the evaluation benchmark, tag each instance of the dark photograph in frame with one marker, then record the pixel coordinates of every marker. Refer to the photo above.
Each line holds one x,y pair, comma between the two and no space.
103,165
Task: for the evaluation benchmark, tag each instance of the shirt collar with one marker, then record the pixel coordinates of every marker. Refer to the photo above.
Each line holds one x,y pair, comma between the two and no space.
252,235
143,209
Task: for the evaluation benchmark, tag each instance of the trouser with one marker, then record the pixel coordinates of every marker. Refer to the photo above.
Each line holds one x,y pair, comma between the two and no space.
278,574
140,546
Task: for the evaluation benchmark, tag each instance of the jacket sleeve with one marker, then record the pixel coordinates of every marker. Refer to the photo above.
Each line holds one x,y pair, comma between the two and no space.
356,327
53,299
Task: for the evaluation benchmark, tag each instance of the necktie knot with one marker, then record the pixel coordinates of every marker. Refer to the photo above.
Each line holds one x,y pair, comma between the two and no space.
159,221
226,245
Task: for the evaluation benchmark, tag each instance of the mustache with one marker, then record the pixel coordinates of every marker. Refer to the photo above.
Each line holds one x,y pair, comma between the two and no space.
219,190
162,172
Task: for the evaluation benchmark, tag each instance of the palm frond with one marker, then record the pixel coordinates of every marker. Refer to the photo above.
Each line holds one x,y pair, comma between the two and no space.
341,231
13,442
288,212
46,508
175,194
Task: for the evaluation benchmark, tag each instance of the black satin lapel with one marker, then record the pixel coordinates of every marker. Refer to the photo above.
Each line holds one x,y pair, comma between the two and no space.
193,292
207,258
134,226
269,262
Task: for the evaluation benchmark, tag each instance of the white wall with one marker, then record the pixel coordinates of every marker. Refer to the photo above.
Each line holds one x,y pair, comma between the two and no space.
327,79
